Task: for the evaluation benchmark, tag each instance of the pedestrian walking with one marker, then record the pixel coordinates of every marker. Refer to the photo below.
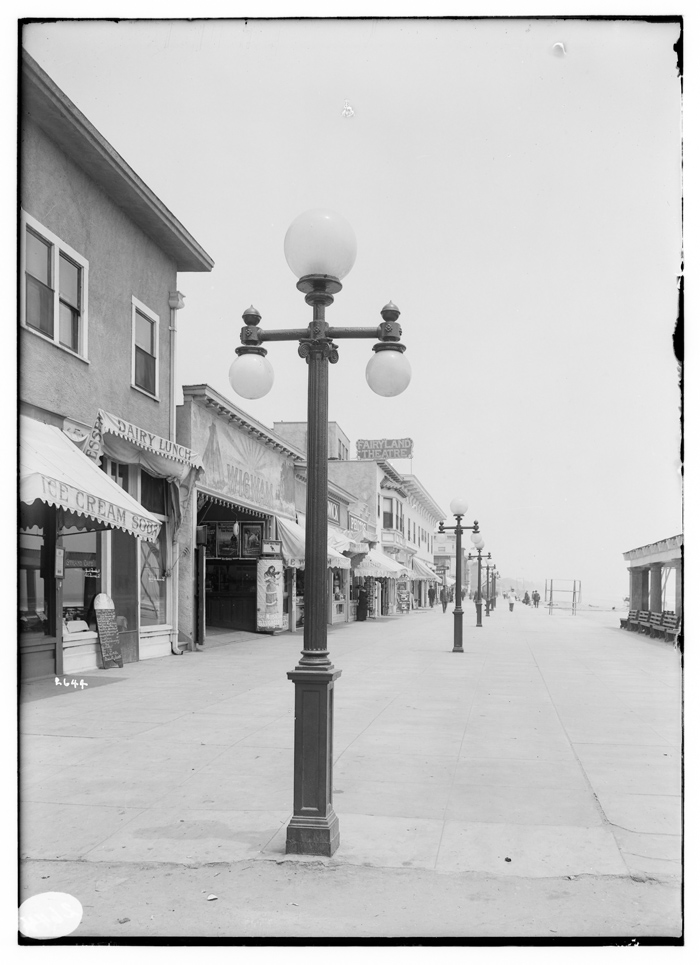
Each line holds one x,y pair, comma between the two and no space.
443,598
511,601
526,599
535,598
431,595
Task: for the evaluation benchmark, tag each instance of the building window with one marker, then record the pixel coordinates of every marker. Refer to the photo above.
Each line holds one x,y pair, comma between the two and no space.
144,370
54,291
388,515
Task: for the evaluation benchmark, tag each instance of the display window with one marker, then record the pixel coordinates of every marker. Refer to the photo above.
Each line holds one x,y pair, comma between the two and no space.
31,589
153,602
82,576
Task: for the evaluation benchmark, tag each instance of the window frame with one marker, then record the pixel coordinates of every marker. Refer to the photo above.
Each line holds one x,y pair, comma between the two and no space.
58,247
138,307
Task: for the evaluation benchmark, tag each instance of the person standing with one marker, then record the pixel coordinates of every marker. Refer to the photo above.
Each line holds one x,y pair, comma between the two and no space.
511,601
431,595
443,598
362,603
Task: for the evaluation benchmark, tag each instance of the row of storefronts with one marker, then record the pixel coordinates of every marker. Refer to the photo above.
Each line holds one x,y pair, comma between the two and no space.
205,533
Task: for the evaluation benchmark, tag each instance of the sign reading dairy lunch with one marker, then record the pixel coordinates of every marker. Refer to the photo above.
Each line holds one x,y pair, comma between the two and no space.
384,448
145,439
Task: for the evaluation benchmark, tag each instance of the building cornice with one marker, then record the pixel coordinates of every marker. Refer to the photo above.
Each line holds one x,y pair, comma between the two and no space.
204,395
45,103
669,548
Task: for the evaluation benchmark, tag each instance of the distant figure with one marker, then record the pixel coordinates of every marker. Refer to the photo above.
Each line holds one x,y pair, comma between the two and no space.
526,599
431,595
535,598
362,603
443,598
511,601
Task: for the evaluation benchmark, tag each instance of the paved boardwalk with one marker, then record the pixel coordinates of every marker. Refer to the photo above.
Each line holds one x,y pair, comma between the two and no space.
549,749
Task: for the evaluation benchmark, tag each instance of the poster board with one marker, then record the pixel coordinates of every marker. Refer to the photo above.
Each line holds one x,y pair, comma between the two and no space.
107,632
270,609
403,597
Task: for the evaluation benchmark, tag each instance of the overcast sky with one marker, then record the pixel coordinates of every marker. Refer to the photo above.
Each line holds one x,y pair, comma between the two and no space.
520,204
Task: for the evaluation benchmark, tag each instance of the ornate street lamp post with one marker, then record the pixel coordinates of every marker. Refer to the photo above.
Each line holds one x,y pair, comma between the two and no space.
458,508
490,582
478,545
320,249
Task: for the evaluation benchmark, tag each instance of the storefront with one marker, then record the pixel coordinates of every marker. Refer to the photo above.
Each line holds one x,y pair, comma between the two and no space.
422,579
293,540
74,518
246,485
161,475
377,574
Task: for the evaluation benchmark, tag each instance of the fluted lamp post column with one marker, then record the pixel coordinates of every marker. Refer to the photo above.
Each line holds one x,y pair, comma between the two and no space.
458,508
320,249
478,546
490,574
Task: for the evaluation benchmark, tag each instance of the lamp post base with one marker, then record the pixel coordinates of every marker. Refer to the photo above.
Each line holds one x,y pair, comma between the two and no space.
313,835
313,828
458,648
478,614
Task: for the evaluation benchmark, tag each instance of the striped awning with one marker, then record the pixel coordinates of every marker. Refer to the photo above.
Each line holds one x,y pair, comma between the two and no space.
377,563
293,537
421,570
54,471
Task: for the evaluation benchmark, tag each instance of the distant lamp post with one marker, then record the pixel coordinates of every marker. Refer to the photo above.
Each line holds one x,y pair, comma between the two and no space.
458,508
494,589
478,542
490,581
320,249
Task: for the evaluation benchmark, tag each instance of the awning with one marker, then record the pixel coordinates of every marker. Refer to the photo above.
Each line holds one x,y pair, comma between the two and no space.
125,442
377,563
128,443
421,570
293,537
346,541
53,470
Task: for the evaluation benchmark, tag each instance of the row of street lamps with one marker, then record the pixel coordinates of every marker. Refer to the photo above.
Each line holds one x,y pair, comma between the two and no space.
458,508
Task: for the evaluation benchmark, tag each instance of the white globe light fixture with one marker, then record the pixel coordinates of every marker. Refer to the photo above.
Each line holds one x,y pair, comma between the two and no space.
320,243
458,506
251,376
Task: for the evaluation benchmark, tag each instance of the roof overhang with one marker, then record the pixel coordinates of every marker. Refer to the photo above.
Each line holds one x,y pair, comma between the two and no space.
46,104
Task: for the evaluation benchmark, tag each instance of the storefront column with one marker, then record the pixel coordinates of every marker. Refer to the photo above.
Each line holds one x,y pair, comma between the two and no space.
644,590
679,588
635,573
655,592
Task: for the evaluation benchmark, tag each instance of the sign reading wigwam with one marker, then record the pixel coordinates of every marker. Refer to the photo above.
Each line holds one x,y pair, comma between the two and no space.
384,448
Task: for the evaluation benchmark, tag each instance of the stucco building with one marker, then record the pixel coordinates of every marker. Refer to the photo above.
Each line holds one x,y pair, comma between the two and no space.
99,261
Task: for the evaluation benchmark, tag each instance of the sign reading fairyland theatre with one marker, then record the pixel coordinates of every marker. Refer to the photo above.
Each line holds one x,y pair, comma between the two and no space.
384,448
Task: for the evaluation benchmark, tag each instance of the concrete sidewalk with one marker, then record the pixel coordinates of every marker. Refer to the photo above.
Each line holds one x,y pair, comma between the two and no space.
549,749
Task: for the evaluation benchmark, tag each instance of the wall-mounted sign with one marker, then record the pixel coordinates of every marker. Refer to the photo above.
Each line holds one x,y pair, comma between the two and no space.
272,547
334,511
384,448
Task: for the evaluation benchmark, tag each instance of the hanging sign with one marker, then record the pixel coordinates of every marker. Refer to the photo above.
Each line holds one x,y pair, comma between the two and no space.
107,632
384,448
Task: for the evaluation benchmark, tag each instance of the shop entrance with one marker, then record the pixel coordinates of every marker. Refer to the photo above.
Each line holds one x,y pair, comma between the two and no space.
231,594
234,537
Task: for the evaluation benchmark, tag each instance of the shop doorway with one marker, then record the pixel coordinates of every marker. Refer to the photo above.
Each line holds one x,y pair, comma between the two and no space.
231,594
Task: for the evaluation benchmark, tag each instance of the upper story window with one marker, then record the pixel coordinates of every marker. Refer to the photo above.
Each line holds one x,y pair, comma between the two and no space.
144,365
53,300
